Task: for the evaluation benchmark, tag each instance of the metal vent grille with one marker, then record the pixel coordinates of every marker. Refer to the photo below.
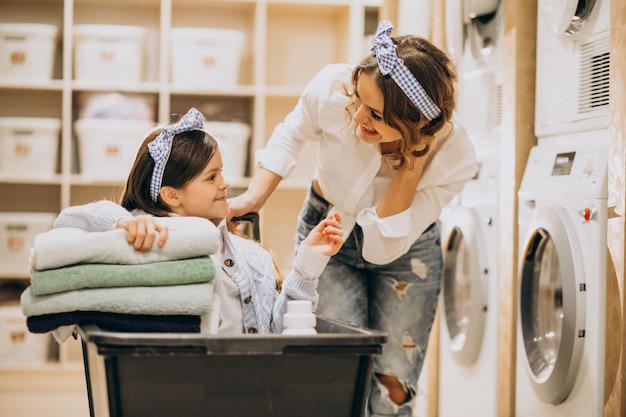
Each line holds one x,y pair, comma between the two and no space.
494,103
593,87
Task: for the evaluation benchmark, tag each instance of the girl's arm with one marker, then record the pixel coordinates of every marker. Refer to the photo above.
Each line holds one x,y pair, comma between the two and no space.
143,230
99,216
104,215
313,255
327,237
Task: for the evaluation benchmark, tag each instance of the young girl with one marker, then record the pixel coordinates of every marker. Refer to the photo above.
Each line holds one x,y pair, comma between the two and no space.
178,172
390,158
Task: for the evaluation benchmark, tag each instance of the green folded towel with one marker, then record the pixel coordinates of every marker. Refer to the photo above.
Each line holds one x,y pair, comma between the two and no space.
75,277
189,299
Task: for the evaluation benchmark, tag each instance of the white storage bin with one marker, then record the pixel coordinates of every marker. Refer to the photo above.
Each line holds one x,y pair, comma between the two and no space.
233,138
27,51
17,345
29,146
107,147
204,57
17,237
109,53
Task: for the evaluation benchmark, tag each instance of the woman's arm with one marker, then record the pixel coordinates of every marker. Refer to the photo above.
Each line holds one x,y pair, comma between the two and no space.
301,126
262,185
390,234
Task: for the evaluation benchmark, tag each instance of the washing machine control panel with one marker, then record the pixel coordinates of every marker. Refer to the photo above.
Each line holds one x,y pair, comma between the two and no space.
575,170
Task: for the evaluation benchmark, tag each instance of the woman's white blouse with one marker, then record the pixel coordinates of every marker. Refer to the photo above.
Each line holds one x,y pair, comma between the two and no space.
351,173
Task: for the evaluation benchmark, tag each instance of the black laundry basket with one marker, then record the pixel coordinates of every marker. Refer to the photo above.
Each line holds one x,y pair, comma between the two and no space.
190,374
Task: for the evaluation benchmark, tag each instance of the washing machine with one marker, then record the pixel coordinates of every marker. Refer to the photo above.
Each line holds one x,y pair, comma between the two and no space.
562,277
572,79
468,373
475,33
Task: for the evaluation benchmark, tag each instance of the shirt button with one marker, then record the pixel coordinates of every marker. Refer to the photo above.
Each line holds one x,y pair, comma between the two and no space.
229,262
247,300
252,330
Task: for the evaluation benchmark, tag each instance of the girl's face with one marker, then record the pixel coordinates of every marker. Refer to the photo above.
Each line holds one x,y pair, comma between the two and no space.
205,195
370,104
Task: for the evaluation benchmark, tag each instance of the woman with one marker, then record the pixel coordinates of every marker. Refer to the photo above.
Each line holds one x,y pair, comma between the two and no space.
389,160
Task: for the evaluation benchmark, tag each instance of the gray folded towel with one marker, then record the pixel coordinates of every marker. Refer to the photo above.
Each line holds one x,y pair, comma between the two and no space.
190,299
188,237
76,277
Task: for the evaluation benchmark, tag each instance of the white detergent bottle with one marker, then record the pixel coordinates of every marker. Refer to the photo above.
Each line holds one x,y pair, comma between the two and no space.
299,319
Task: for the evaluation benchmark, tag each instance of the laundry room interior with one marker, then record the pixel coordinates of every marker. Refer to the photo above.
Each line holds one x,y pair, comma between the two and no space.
530,320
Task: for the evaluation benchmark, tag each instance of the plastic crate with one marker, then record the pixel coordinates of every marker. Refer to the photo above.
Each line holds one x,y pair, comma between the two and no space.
234,138
29,146
107,147
27,51
206,57
152,374
17,345
109,53
18,231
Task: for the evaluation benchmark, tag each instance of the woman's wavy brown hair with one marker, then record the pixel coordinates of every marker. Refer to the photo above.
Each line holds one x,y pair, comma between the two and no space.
435,72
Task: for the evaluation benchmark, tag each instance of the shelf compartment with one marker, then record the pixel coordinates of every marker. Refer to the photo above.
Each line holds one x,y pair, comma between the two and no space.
321,31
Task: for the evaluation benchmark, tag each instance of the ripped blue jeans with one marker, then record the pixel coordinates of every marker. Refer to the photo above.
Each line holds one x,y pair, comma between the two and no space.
399,298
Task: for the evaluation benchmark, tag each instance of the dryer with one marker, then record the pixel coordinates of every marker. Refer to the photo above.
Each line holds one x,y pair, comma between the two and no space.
475,33
468,371
562,277
572,83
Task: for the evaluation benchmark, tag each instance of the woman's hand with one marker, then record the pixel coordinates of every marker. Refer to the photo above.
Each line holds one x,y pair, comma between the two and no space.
326,237
142,231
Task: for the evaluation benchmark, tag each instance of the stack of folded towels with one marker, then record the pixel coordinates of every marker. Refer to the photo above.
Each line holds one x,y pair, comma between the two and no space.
80,278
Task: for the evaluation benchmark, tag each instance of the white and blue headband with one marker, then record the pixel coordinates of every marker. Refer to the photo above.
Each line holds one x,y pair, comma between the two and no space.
161,146
389,64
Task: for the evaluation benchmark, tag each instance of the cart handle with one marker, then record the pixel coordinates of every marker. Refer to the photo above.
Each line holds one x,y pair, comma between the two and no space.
252,218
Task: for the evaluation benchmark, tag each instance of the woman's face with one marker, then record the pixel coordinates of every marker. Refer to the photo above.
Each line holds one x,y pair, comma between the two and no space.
370,104
205,195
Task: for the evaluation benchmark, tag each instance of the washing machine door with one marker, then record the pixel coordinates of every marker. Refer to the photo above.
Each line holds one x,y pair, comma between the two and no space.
552,303
465,273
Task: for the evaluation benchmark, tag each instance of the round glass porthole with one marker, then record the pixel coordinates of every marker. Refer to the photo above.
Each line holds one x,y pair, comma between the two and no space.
552,305
542,309
464,287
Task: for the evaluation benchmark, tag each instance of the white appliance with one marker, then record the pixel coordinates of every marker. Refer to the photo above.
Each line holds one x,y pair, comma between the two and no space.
572,83
468,370
562,277
475,34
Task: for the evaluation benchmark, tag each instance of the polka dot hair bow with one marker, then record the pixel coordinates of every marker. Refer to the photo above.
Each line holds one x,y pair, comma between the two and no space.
391,65
161,147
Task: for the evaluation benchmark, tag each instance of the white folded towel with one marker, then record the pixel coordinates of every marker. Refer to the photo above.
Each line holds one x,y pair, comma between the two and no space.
188,237
190,299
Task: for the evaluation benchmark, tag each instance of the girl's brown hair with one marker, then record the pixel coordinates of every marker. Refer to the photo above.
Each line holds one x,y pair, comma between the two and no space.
435,72
191,151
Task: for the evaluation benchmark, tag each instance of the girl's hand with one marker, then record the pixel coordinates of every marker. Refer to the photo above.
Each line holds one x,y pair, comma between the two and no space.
326,237
142,231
